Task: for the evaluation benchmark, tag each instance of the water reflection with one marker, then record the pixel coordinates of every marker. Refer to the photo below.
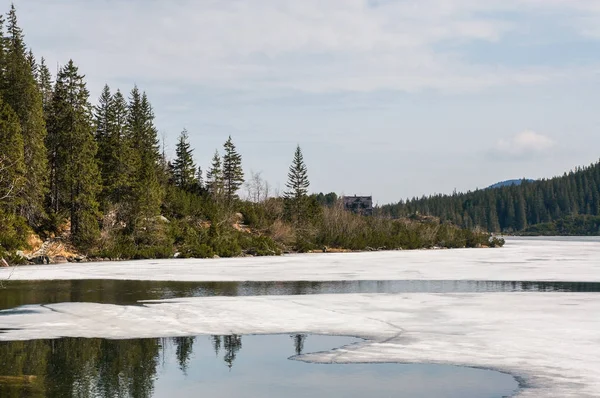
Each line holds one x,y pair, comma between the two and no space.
17,293
218,366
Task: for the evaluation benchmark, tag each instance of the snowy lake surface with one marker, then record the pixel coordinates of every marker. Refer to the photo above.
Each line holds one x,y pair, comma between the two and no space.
522,259
529,309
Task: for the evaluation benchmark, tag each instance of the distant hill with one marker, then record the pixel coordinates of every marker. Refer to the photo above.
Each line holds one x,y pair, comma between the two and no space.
515,207
508,183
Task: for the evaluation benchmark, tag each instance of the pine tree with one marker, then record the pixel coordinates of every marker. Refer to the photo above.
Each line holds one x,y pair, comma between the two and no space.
146,191
33,65
199,180
3,48
520,213
233,175
45,85
297,184
21,93
184,169
12,165
76,179
110,120
214,178
120,172
103,122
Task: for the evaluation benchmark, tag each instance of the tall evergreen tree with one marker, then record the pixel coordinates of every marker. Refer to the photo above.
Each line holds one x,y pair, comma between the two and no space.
146,191
121,170
12,164
214,178
103,122
297,184
113,148
3,48
233,175
45,85
33,65
200,180
520,213
76,179
20,91
184,169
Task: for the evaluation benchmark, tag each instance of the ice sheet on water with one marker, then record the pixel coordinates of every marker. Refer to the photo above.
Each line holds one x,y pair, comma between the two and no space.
550,340
520,260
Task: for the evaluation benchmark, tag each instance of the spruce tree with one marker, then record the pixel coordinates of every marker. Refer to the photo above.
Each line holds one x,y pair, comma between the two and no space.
184,169
113,148
520,213
297,184
199,180
45,85
146,192
233,175
20,91
76,179
110,119
214,178
3,47
33,65
12,164
120,172
103,122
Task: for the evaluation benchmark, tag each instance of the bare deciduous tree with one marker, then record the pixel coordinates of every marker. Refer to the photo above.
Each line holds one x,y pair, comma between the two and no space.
258,190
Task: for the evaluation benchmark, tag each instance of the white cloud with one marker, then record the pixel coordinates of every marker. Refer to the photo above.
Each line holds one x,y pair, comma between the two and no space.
525,144
308,45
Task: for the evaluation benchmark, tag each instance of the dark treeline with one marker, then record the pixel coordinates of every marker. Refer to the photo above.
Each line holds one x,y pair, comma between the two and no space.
515,208
95,178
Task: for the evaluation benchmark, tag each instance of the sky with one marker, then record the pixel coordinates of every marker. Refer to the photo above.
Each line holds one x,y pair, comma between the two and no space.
390,98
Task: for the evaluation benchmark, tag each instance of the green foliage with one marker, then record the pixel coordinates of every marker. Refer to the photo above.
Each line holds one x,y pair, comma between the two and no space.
45,85
123,245
233,175
512,208
184,169
20,91
75,177
257,245
104,168
342,229
13,232
12,161
261,215
214,178
180,204
328,200
496,242
114,150
296,198
579,225
146,192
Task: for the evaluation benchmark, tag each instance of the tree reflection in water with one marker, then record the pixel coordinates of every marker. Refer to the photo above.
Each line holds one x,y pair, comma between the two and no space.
97,367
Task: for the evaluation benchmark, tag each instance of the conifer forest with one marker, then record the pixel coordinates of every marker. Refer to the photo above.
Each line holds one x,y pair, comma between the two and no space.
90,175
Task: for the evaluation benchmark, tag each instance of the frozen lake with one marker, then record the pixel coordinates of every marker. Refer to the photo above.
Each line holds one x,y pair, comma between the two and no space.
527,309
522,259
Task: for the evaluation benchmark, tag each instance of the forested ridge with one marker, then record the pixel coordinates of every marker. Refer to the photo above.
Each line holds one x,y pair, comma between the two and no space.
93,179
569,204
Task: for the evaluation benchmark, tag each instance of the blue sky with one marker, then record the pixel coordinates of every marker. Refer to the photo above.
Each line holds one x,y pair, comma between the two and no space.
393,98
